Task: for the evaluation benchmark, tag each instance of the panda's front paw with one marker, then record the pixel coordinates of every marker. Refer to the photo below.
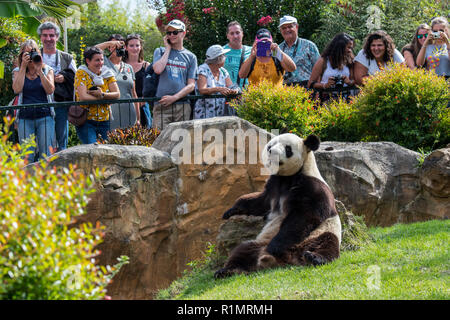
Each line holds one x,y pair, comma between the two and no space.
230,212
314,259
222,273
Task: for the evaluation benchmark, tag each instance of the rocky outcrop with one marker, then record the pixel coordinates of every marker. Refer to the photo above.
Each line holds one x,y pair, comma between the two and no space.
382,181
434,194
161,205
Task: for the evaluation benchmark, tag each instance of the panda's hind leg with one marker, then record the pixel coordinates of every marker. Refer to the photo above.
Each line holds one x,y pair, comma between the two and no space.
243,259
317,251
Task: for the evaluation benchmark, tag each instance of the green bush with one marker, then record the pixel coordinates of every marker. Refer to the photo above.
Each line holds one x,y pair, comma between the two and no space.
278,107
338,121
42,256
408,107
132,136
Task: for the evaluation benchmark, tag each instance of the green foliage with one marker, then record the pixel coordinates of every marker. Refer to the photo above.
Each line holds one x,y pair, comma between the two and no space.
42,254
134,136
10,32
338,121
98,24
281,107
73,139
404,106
399,18
208,28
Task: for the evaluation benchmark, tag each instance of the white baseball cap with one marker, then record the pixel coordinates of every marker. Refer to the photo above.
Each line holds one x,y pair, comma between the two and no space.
215,51
177,24
287,19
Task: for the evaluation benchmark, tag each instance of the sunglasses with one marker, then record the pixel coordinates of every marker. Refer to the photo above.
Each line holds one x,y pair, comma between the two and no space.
173,32
420,36
133,36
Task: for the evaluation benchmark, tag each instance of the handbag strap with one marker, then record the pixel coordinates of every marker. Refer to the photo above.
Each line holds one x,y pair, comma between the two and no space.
240,63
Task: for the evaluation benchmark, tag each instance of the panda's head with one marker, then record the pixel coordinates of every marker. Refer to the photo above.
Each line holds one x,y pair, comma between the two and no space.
285,154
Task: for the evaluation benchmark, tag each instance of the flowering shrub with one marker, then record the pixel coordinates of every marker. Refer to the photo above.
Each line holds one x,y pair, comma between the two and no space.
41,256
264,21
134,136
405,106
280,107
338,121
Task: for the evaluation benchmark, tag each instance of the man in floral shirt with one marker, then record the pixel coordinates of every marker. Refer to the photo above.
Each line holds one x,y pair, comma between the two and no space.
302,51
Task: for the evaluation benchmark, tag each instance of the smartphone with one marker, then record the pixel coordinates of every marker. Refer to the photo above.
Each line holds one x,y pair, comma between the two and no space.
168,41
93,88
263,49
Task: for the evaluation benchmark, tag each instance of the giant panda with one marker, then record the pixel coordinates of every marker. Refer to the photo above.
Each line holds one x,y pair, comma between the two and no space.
302,225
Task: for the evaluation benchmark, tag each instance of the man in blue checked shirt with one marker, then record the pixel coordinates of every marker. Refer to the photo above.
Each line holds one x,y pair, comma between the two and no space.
302,51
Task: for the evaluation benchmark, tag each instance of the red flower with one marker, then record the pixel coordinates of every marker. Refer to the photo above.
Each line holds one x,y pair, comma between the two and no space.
264,21
209,10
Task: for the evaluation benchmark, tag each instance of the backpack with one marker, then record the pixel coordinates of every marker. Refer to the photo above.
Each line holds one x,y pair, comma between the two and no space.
277,66
151,81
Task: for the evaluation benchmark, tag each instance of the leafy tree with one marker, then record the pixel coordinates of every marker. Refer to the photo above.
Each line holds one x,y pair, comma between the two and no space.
45,253
207,20
399,18
98,23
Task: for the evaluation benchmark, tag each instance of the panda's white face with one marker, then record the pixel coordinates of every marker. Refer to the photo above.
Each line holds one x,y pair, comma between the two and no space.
284,155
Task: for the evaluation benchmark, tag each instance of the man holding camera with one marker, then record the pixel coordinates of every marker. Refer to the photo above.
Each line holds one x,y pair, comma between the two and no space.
266,61
177,70
304,52
123,114
64,68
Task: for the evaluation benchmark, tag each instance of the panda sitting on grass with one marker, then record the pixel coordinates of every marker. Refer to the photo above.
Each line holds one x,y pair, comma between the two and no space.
302,224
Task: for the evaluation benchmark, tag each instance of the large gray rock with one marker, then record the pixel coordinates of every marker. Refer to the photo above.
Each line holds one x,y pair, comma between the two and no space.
380,180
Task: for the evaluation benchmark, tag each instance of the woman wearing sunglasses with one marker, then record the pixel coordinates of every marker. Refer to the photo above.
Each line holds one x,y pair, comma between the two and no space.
435,50
411,50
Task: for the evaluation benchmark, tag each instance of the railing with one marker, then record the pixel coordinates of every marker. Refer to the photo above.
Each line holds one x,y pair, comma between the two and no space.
193,107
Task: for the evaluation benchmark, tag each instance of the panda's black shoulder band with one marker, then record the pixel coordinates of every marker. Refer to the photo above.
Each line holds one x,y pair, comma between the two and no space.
312,142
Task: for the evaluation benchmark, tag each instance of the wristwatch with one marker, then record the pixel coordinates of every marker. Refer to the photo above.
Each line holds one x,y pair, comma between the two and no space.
103,95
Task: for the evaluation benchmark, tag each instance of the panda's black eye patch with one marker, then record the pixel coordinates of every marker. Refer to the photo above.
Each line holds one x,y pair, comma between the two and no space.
288,151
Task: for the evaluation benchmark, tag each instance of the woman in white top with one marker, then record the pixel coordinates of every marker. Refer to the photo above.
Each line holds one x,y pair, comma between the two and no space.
213,78
435,50
335,61
378,50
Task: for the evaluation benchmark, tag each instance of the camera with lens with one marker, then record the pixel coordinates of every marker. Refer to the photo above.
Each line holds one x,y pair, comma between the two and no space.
120,52
35,56
339,81
436,34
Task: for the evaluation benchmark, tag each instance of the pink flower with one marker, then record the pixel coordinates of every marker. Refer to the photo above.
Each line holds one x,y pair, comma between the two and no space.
264,21
209,10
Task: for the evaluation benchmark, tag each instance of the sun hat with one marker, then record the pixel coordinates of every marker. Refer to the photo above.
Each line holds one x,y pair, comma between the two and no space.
177,24
287,19
215,51
263,35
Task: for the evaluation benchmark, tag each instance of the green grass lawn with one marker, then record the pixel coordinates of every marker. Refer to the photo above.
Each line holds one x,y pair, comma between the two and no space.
403,262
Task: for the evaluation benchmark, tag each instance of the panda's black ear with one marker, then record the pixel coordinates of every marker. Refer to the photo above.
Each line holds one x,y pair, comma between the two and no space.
312,142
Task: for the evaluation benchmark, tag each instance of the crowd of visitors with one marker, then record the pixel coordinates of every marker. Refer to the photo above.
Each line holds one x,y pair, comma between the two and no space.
116,69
